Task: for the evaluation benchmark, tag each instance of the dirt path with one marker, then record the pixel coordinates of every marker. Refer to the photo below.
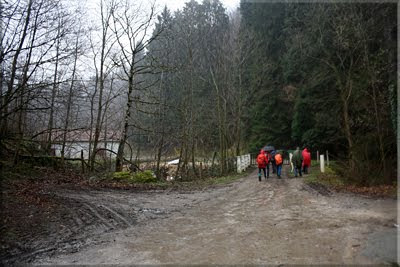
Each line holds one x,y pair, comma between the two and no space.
247,222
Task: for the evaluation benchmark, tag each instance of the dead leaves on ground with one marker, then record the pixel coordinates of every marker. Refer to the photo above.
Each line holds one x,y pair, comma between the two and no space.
373,191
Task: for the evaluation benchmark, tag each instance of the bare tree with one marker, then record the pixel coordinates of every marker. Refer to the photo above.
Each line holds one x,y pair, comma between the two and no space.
70,93
7,98
29,32
131,30
61,53
107,9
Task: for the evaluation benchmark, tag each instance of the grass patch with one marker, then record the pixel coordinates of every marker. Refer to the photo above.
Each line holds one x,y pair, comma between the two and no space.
200,184
328,178
224,179
146,181
139,177
333,180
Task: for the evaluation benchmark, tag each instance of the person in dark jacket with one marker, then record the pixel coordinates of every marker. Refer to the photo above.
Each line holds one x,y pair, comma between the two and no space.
262,162
269,159
273,152
297,161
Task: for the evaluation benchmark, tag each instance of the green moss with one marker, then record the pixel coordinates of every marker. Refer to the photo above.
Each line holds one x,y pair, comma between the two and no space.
139,177
144,177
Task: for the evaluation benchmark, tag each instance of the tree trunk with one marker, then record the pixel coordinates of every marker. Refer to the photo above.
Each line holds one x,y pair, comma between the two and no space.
69,102
191,107
98,122
159,152
220,126
1,72
239,115
124,134
92,120
53,95
179,161
160,144
22,90
374,97
101,79
346,124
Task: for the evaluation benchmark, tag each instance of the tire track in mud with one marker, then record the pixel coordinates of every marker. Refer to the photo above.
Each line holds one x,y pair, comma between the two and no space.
109,224
83,218
117,215
238,205
316,188
247,222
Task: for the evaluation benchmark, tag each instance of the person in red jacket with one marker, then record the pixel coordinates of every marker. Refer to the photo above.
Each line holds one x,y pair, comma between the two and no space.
262,162
306,160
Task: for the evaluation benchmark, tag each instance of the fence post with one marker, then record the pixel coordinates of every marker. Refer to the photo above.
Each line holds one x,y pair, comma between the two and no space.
82,162
322,163
327,158
201,170
238,164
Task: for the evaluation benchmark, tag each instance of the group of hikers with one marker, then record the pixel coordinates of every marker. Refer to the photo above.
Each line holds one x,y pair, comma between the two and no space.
300,160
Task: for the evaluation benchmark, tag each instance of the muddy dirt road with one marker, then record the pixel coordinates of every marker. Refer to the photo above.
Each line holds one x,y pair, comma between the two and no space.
278,221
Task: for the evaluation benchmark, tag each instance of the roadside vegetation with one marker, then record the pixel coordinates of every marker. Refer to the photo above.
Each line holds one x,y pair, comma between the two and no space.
332,179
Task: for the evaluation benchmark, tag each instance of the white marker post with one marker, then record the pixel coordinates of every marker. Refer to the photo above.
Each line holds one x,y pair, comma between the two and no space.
321,159
238,164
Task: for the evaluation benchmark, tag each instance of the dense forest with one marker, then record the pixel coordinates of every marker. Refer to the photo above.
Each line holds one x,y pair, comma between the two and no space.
200,82
326,77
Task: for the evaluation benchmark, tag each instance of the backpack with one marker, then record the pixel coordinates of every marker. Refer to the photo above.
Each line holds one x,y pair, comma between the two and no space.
260,159
278,159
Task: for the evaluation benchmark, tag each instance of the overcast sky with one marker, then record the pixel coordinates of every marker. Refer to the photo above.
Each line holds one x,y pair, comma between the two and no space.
173,5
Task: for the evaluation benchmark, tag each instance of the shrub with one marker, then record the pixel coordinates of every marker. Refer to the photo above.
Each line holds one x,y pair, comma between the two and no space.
121,175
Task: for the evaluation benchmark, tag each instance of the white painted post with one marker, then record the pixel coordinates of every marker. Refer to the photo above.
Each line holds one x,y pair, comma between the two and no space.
327,158
238,164
322,163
